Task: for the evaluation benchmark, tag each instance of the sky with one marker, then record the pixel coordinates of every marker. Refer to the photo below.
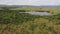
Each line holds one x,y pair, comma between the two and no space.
30,2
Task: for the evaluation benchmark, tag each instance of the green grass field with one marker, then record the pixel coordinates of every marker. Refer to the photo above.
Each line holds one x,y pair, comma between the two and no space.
13,22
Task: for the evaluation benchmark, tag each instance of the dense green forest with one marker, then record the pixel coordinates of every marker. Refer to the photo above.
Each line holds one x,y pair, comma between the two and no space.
7,17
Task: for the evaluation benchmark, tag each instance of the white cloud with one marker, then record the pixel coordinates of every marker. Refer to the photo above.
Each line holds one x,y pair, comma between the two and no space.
30,2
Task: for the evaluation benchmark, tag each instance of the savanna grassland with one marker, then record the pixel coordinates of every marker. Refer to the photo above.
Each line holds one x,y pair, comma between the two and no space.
13,22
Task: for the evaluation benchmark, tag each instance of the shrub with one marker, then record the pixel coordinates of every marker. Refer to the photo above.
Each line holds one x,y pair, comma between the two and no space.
32,26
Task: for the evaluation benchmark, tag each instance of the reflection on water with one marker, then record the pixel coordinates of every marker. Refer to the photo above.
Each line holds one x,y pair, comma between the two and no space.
37,13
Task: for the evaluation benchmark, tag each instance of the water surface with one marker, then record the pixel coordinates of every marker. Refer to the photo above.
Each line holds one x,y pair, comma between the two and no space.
37,13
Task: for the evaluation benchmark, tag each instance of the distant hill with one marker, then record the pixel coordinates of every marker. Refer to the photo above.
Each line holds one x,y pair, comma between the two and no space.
27,6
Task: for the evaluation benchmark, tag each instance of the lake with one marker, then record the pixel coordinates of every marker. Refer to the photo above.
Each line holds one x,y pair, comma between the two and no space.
37,13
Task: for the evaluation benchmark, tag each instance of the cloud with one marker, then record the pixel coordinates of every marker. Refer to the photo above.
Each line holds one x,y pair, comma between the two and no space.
30,2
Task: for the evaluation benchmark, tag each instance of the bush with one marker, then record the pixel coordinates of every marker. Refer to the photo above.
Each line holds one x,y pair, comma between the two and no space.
32,26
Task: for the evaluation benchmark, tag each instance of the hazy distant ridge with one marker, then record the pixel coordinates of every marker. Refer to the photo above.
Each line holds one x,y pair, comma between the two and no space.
30,6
